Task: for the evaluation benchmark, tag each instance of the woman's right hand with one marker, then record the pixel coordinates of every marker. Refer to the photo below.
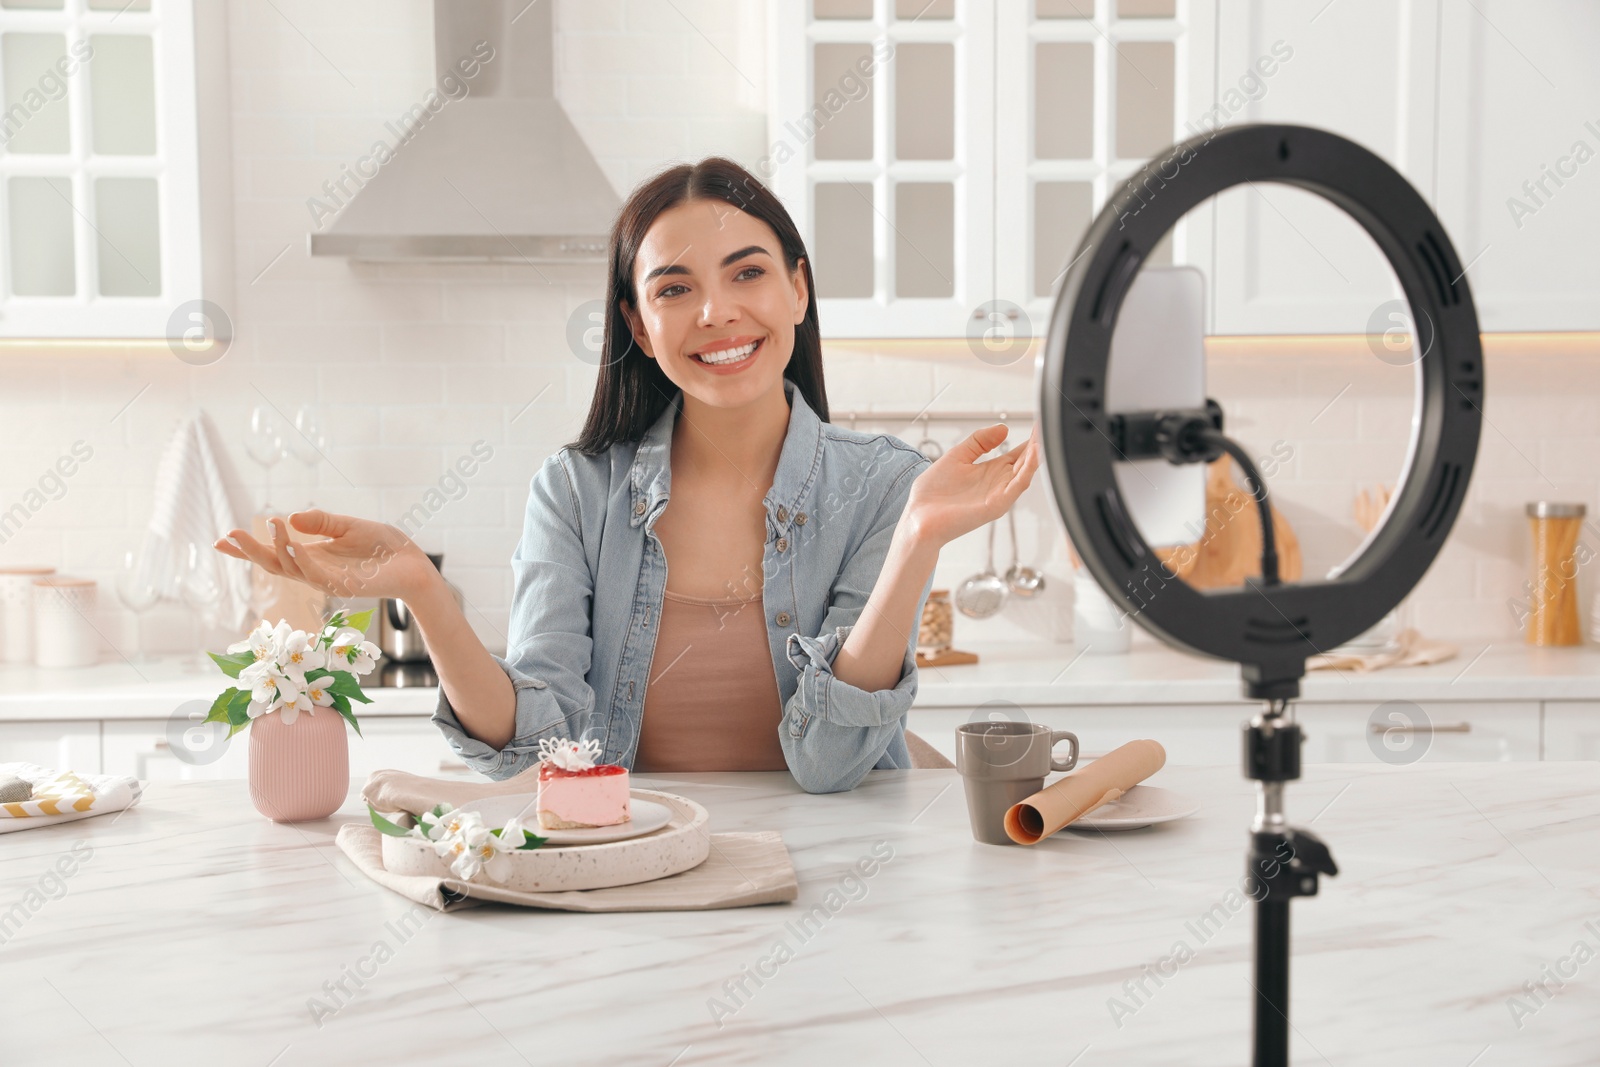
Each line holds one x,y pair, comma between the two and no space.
358,558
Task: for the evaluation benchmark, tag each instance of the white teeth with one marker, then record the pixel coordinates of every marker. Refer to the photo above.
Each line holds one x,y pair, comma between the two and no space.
728,355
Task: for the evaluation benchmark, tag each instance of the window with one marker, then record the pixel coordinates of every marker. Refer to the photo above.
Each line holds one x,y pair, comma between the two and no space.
99,202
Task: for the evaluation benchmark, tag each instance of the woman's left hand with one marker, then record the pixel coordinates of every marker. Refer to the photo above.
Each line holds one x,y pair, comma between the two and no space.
958,494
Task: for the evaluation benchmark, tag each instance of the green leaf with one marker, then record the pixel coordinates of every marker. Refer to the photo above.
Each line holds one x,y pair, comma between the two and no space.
312,676
348,716
386,826
238,710
344,684
234,662
360,620
530,840
219,707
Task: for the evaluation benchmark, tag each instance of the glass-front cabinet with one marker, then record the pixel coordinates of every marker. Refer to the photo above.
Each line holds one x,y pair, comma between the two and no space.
99,215
943,157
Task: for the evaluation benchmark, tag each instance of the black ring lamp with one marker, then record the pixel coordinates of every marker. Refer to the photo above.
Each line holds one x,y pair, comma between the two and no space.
1270,629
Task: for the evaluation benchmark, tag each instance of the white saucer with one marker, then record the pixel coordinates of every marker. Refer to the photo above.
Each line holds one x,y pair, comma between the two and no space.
496,811
1141,806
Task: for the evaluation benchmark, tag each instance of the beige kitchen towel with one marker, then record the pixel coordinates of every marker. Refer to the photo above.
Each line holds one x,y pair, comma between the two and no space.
741,868
1411,650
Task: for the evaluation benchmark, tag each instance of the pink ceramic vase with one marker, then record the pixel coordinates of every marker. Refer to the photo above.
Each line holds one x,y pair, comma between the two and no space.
299,770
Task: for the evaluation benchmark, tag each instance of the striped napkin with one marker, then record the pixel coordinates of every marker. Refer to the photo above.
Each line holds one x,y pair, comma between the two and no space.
61,796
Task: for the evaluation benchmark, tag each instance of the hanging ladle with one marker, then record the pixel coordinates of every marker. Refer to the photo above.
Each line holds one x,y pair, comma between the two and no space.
980,596
1024,581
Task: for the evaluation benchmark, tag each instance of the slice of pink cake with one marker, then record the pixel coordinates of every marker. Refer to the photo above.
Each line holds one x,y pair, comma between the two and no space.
578,799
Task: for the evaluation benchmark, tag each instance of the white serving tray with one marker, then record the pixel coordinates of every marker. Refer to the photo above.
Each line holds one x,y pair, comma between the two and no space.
681,844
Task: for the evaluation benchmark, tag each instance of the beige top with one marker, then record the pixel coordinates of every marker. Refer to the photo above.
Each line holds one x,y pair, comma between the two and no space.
712,700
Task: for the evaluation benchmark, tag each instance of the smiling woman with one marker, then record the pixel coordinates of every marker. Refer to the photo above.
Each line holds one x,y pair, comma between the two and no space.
783,634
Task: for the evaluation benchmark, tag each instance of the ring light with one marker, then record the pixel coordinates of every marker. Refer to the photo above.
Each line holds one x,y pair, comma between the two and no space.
1270,629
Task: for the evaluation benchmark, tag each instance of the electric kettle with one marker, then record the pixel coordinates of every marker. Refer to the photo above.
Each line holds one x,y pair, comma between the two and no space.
399,636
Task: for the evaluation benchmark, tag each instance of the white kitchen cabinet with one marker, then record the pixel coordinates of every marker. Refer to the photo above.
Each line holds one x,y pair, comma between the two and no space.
1519,151
405,743
1572,730
1080,105
56,745
943,159
1286,261
881,148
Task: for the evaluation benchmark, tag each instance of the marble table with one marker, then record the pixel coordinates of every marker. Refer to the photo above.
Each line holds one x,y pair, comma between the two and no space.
1462,930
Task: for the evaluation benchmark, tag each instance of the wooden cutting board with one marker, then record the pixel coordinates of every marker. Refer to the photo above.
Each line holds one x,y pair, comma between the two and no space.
1230,551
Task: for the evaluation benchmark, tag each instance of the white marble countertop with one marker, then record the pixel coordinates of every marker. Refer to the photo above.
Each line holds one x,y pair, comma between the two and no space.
1028,674
192,930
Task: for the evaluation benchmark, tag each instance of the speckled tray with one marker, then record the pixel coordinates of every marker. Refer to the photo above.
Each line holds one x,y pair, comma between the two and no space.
681,844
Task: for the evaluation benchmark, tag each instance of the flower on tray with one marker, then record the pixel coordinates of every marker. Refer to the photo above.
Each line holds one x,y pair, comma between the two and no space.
463,839
281,669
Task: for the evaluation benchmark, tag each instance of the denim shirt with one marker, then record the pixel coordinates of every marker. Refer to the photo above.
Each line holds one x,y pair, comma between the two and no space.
589,573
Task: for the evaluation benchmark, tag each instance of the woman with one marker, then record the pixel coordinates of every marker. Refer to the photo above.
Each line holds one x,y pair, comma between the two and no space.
784,633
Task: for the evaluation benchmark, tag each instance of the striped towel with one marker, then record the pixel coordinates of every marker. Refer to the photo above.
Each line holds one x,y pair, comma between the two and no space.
193,502
60,796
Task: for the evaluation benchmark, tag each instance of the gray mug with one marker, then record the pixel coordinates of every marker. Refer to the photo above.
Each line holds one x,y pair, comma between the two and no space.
1003,763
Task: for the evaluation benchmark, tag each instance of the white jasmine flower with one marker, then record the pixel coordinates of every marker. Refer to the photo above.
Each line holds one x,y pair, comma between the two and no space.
463,845
268,684
493,851
258,642
300,654
348,650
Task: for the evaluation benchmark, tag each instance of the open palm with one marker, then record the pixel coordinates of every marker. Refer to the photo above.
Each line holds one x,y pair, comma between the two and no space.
959,493
358,557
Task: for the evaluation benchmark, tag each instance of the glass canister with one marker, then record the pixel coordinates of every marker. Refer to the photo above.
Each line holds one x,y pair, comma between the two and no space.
934,635
1553,592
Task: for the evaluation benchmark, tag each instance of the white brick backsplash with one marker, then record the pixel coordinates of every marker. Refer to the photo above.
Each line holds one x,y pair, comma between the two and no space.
408,363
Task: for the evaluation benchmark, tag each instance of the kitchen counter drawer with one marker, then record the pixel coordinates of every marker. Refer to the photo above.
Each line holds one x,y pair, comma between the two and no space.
56,745
149,749
168,750
1572,730
405,744
1336,732
1191,733
1403,731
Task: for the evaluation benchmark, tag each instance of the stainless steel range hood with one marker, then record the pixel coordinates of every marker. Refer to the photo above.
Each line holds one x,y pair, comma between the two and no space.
496,174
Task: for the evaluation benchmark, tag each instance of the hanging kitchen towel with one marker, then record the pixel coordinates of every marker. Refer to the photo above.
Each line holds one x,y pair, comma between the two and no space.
192,505
740,869
1411,650
61,796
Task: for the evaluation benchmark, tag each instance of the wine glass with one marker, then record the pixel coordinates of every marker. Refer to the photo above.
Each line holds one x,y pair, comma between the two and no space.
265,445
202,592
308,442
138,594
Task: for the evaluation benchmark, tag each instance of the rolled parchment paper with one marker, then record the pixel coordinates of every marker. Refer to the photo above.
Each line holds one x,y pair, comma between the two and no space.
1077,794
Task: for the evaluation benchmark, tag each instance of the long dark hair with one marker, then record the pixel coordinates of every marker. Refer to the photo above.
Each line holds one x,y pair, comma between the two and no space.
632,392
